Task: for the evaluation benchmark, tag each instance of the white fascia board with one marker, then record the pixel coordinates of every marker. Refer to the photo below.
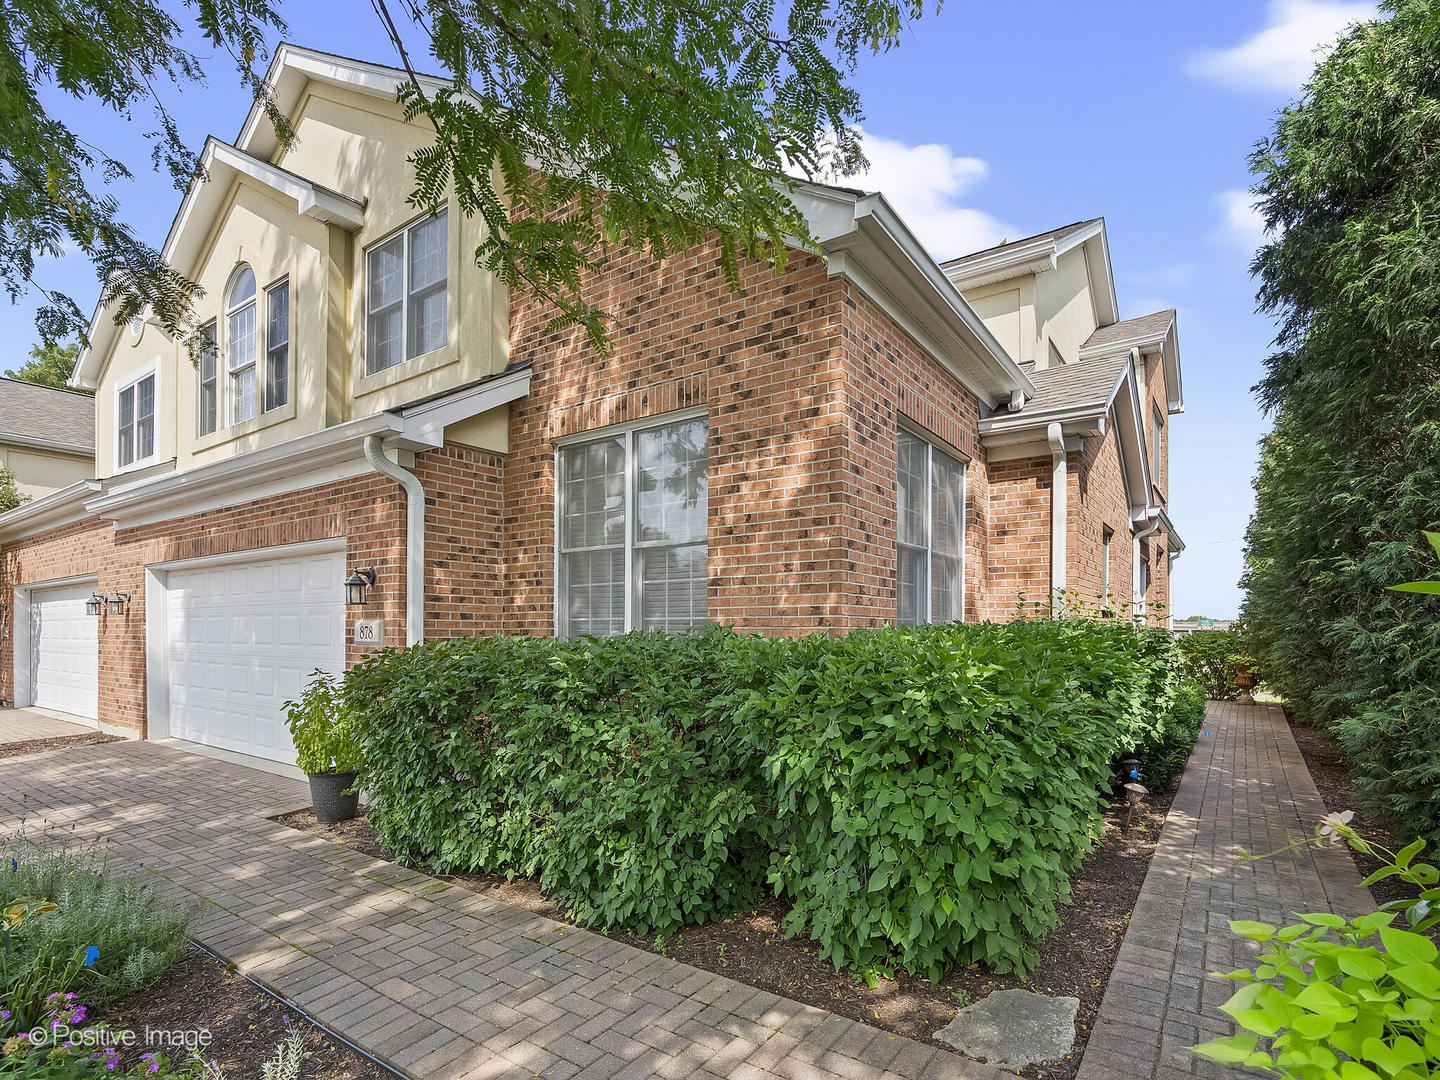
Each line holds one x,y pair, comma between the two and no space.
1146,343
332,453
53,445
292,67
1174,385
62,507
423,425
1130,430
1102,275
867,242
1010,261
1177,545
1088,417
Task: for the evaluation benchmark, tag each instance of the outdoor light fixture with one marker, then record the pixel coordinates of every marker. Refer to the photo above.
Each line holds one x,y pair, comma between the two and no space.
357,583
95,604
118,603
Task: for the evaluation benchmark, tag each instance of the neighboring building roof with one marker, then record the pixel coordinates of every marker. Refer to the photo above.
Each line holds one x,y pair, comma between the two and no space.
1060,236
1128,333
45,417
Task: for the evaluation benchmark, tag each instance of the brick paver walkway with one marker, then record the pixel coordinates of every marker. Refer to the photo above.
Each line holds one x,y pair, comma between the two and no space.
27,725
437,981
1245,786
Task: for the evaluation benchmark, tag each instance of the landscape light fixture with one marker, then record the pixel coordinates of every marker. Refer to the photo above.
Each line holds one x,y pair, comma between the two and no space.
357,583
118,603
95,604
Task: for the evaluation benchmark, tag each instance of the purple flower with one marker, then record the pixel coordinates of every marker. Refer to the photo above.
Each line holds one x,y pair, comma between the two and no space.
109,1065
154,1067
4,1014
71,996
147,1057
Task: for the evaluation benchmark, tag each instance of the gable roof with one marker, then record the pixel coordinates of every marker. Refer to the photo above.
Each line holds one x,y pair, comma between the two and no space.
1071,386
47,418
1041,252
1153,333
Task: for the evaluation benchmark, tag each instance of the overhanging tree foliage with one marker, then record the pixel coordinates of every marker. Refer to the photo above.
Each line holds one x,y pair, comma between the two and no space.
569,125
49,365
1350,474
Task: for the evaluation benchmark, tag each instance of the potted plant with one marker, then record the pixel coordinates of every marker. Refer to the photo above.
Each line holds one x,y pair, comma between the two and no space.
326,750
1245,677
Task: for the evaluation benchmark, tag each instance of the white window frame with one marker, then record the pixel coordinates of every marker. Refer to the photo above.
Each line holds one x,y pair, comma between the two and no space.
215,382
443,214
139,375
1107,542
931,449
1157,428
628,431
230,311
266,347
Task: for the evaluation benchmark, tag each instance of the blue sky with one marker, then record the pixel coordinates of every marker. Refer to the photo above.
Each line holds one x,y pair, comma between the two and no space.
999,121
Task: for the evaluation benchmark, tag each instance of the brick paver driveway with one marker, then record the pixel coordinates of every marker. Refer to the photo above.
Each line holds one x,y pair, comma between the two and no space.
1245,786
437,981
28,725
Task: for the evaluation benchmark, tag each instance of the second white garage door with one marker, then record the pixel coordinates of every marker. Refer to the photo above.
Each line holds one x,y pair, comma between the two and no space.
242,639
63,650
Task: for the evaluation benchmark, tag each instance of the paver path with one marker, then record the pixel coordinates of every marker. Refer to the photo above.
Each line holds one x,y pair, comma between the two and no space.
27,725
1245,786
437,981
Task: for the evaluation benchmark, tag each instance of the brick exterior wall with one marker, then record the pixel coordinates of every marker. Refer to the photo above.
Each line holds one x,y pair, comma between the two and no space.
1019,562
1098,501
803,378
463,573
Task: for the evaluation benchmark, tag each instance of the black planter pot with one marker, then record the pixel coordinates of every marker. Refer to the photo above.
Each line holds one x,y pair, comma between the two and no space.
328,798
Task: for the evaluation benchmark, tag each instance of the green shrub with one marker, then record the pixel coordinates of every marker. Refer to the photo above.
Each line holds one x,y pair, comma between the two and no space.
919,794
322,728
137,933
1394,755
1164,751
1209,659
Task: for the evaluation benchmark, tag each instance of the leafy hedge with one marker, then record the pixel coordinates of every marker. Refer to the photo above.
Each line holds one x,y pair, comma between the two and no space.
1165,750
1207,656
920,794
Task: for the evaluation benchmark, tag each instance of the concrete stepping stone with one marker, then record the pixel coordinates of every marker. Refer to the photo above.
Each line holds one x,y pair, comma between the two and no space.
1014,1028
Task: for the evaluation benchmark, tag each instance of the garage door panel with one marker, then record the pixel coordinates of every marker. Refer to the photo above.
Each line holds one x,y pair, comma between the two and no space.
64,650
266,626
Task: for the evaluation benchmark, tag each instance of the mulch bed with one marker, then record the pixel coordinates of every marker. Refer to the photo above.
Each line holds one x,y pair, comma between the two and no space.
1331,773
59,742
245,1023
1076,959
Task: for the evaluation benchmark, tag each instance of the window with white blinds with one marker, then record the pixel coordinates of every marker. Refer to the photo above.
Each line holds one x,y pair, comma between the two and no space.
632,545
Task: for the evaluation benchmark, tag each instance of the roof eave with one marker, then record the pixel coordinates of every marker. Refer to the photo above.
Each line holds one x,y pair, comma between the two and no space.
61,507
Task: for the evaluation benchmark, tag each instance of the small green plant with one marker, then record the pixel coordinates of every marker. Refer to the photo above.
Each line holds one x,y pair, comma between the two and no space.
111,926
1343,999
322,727
962,997
289,1054
1210,657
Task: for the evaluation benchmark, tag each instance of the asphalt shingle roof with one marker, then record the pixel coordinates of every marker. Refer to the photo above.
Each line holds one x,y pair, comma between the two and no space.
28,411
1057,234
1082,382
1146,326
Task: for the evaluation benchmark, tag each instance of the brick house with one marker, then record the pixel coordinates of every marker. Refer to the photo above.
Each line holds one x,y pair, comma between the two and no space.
384,447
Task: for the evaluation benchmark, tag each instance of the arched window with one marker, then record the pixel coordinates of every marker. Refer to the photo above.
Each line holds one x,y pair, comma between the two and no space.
240,345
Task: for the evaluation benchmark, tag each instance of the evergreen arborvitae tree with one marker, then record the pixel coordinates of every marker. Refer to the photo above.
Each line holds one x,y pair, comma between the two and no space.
1349,184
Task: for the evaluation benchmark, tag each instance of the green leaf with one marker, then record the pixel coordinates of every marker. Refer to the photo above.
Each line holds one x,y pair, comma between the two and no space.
1231,1050
1408,947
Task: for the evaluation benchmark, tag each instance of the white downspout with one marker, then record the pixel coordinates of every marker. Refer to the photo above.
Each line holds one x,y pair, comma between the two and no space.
1059,513
1140,605
414,537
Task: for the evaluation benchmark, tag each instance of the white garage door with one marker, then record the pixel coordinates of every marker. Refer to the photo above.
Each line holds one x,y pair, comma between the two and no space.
64,654
242,639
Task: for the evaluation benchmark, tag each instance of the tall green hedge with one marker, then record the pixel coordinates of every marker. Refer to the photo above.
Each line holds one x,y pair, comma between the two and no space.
920,794
1350,471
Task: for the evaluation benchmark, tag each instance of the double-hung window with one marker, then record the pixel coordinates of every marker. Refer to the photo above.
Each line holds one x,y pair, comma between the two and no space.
277,345
632,531
1157,429
930,493
1107,541
240,344
208,363
135,422
405,294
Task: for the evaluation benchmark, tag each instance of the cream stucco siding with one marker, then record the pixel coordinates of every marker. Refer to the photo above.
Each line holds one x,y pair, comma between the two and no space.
358,146
1008,310
39,472
1064,306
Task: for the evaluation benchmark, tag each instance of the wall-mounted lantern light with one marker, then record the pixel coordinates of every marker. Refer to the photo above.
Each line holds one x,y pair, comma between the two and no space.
118,603
95,604
357,583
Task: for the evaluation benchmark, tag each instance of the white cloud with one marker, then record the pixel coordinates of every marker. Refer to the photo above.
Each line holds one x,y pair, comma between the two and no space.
925,184
1240,222
1281,56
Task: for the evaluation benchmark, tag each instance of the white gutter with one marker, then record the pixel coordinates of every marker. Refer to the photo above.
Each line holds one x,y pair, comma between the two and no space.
414,536
1059,514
